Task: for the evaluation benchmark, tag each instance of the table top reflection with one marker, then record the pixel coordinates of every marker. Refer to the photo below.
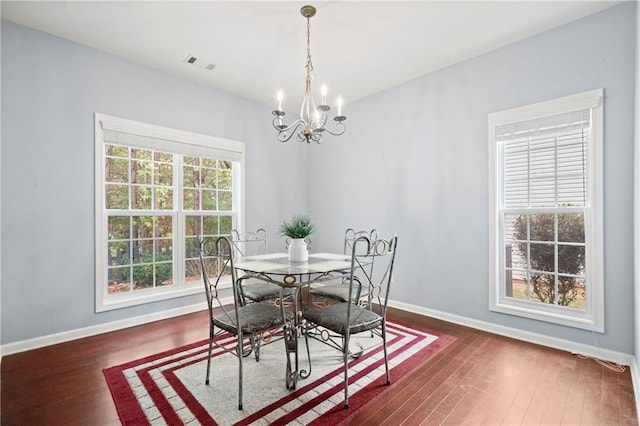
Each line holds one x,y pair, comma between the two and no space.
278,264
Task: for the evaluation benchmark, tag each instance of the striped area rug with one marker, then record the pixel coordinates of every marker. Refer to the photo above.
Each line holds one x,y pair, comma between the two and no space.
168,388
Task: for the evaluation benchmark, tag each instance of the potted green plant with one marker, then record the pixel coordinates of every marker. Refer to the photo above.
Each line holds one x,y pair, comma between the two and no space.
298,228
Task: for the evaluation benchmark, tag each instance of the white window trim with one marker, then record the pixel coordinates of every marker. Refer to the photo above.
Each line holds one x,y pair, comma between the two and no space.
592,318
191,144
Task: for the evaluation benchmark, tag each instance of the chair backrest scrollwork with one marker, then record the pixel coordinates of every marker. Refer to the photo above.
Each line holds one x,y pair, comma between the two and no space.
249,243
372,262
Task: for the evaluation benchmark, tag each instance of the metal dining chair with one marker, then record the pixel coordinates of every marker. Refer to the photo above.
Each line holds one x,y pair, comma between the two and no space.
253,243
251,321
371,265
339,291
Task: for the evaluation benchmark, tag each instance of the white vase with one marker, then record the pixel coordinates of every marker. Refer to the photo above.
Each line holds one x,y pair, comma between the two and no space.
298,251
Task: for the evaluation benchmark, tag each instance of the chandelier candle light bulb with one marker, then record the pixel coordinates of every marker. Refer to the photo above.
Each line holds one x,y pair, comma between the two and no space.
313,120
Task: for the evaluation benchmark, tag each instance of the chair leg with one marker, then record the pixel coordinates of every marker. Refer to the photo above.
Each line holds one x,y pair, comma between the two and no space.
345,358
384,348
211,331
239,336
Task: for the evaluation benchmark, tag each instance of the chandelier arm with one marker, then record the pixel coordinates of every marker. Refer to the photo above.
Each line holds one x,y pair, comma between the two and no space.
285,134
285,127
339,129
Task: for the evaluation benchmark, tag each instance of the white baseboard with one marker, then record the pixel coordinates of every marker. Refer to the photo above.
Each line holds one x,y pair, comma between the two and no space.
553,342
52,339
540,339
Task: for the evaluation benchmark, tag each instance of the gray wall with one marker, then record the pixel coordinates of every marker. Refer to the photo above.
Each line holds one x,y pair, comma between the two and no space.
50,90
414,162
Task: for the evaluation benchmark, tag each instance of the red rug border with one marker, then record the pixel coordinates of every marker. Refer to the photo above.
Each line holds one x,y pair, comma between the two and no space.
128,403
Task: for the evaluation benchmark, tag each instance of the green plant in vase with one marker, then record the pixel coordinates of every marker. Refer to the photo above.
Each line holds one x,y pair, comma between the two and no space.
298,228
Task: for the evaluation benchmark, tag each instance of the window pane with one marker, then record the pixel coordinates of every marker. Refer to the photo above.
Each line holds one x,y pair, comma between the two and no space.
191,199
192,249
141,197
163,198
116,150
571,259
116,170
209,199
209,162
543,288
224,179
164,250
516,282
118,253
516,227
209,179
542,227
141,171
192,271
142,154
163,157
163,174
142,226
225,225
142,276
571,227
118,227
142,251
192,226
118,280
117,197
211,225
224,200
164,226
542,257
191,177
571,292
164,274
192,161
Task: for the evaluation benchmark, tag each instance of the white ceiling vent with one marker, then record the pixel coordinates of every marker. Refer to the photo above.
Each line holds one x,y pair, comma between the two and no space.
199,62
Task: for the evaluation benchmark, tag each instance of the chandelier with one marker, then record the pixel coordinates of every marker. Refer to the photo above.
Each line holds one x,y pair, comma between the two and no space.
313,119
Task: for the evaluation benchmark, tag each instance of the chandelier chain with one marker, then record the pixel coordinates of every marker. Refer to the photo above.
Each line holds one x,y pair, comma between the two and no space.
309,65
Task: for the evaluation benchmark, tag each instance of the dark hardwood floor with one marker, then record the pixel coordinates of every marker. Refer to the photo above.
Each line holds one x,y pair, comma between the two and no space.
481,378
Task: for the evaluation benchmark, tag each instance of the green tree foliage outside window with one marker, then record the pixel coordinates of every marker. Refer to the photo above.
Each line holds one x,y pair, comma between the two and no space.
540,245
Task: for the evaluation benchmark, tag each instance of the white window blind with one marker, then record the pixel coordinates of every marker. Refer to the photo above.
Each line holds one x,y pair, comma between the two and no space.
545,161
126,132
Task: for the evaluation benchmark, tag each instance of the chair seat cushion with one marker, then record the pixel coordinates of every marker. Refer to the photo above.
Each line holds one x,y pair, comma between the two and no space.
337,292
254,317
334,318
259,292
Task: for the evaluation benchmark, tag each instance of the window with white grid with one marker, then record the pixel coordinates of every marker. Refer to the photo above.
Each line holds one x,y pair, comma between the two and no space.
546,211
157,191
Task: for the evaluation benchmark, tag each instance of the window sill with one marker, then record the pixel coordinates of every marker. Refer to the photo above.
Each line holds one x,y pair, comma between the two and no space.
561,316
141,297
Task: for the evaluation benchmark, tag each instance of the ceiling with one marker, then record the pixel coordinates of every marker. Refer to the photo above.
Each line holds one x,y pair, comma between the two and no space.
258,47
